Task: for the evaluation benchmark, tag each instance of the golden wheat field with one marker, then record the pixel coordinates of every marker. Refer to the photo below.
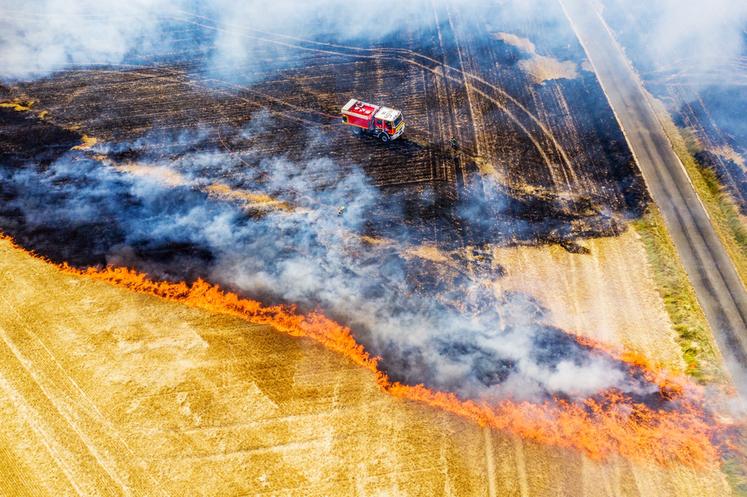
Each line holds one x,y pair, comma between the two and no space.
363,249
110,392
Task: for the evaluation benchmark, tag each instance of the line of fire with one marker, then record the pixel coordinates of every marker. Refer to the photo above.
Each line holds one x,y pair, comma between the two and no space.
446,247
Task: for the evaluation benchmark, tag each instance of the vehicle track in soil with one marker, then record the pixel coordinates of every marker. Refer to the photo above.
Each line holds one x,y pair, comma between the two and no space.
552,152
440,69
262,399
441,109
441,99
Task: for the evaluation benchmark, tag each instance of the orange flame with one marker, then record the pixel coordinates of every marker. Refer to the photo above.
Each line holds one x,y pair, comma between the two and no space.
612,424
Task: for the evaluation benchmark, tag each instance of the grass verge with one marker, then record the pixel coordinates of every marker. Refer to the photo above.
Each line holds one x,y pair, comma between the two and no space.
727,221
731,228
693,334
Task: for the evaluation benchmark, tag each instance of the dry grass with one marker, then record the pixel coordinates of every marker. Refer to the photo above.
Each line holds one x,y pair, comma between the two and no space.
86,142
109,392
18,104
693,333
541,68
597,294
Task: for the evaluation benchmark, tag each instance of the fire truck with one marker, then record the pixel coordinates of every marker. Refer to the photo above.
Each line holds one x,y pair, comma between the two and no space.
382,122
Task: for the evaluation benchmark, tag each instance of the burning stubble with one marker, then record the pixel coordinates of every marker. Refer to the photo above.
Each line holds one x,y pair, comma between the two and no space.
301,232
599,427
452,344
171,220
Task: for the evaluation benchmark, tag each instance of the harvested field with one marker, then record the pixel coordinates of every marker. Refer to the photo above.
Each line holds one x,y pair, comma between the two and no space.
551,146
519,344
107,392
595,294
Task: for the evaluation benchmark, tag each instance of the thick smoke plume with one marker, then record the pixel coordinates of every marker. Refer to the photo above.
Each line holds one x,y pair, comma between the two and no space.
700,35
42,36
295,232
169,218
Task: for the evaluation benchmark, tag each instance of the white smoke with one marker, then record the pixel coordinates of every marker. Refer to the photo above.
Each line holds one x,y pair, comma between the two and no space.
41,36
706,31
692,35
474,342
311,255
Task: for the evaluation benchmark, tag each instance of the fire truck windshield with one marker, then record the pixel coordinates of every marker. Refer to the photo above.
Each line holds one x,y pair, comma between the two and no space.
397,121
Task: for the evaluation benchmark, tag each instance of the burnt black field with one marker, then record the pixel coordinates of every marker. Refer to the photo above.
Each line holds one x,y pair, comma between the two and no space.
534,163
705,93
287,110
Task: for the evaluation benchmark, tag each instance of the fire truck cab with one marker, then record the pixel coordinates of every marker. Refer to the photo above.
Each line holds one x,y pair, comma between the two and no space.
382,122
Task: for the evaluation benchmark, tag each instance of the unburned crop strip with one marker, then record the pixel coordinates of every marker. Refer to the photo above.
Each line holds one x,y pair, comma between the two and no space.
599,427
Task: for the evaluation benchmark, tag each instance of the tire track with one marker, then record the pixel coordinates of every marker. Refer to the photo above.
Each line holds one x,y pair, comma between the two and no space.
443,70
494,94
77,418
385,50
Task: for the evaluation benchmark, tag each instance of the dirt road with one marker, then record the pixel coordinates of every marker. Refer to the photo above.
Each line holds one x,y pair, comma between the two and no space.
712,273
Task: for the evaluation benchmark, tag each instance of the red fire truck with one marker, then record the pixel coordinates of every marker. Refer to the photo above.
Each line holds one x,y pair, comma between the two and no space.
382,122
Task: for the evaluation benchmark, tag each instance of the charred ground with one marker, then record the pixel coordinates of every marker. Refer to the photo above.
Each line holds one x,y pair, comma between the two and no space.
705,96
562,169
534,163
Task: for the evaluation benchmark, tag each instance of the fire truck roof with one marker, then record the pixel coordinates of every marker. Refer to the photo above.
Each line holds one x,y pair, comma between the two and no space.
387,114
359,108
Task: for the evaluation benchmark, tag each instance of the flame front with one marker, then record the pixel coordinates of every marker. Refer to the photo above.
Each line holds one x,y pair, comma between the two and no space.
609,424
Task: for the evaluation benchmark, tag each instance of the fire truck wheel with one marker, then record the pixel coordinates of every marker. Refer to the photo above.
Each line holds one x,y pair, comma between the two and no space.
357,131
384,137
